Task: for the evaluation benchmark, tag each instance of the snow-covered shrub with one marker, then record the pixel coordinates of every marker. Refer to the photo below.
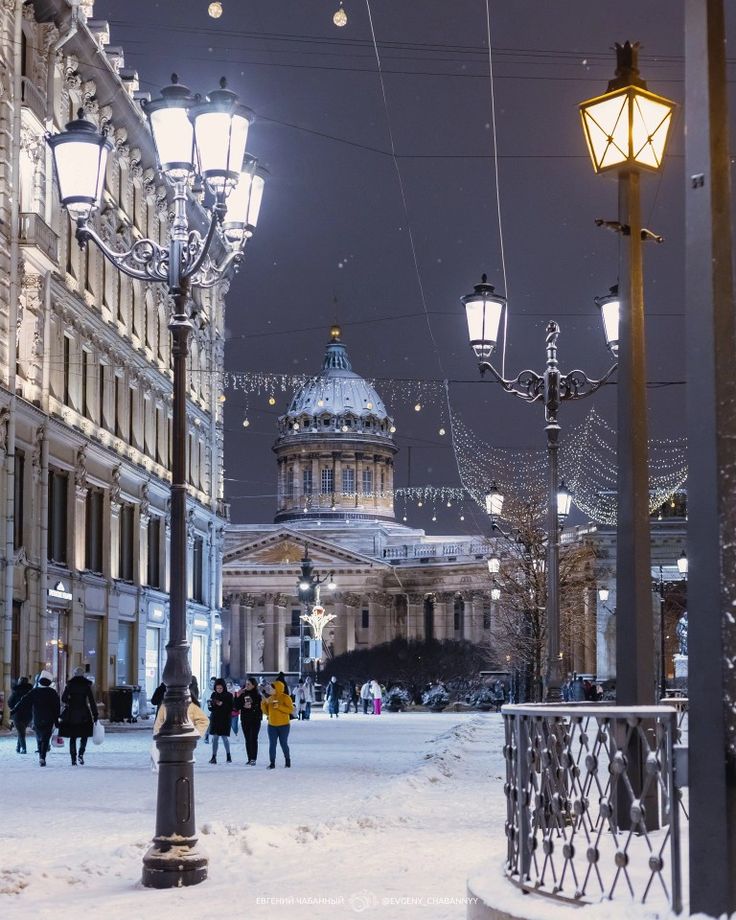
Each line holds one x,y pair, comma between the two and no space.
397,698
436,697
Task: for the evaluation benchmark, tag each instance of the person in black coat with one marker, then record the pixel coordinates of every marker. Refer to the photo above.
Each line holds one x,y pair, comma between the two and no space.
221,707
249,704
40,705
21,689
79,715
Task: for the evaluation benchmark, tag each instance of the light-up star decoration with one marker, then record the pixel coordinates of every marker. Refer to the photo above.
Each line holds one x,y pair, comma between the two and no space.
318,619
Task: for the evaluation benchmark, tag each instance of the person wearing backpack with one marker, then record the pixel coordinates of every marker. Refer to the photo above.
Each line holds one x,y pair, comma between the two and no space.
20,690
42,706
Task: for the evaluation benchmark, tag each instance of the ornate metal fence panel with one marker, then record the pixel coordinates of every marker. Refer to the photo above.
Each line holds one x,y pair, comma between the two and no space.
592,803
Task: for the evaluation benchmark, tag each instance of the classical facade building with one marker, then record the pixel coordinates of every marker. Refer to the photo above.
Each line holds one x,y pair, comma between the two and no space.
334,455
85,381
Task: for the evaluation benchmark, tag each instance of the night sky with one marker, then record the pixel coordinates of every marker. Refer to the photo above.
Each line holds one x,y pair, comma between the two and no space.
332,242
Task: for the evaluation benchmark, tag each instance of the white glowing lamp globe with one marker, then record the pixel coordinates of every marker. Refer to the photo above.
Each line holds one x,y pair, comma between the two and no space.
564,502
244,202
173,132
610,307
220,134
494,501
483,310
494,565
80,159
495,594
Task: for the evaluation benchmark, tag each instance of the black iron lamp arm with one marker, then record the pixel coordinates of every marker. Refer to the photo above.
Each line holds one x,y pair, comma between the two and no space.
145,260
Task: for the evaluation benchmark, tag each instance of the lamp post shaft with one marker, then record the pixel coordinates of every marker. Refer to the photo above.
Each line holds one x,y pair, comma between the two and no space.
173,860
552,396
635,682
662,644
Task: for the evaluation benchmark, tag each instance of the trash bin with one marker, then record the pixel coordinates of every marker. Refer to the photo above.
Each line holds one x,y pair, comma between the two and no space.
124,703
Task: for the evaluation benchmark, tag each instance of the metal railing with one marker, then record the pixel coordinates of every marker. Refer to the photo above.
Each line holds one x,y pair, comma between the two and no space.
31,97
592,805
34,231
434,550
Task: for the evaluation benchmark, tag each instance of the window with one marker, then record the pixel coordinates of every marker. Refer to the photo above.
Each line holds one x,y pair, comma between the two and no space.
307,481
94,530
125,570
126,655
58,490
85,391
486,614
348,480
328,481
118,406
101,414
367,481
290,482
154,552
67,347
19,486
197,573
365,619
131,416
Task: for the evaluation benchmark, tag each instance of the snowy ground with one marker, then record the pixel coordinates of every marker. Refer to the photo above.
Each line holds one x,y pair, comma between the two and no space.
378,816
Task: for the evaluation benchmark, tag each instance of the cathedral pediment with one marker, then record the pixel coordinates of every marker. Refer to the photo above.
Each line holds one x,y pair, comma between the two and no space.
285,550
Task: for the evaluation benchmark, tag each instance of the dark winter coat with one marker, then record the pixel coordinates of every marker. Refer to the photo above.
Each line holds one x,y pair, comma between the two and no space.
160,692
80,712
220,716
21,689
249,705
41,706
334,695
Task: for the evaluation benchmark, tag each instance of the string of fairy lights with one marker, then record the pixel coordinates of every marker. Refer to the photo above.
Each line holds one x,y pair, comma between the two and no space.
587,454
339,16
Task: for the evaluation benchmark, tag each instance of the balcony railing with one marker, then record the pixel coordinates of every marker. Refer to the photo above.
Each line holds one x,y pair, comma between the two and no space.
437,551
593,811
36,233
31,97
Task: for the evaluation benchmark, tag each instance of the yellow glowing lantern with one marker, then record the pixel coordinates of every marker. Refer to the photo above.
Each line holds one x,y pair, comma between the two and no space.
627,127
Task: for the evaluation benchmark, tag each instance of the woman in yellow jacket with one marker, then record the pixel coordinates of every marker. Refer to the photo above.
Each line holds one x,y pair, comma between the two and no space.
198,719
277,706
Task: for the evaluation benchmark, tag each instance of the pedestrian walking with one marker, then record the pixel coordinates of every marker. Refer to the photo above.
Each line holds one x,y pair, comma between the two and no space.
234,715
300,700
334,692
365,696
196,716
377,694
22,687
79,715
308,696
352,696
251,717
212,687
221,705
278,706
41,705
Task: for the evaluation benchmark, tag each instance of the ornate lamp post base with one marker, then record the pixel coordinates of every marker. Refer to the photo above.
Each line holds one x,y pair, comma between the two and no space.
175,867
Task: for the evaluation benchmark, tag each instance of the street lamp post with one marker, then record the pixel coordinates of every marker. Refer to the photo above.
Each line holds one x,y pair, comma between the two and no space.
193,139
308,590
626,130
483,311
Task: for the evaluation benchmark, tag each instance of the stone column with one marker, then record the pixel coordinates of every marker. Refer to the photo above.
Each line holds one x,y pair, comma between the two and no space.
281,484
247,616
78,553
316,481
269,629
443,616
282,657
476,618
144,516
415,616
235,637
352,604
376,482
259,640
298,482
341,626
337,473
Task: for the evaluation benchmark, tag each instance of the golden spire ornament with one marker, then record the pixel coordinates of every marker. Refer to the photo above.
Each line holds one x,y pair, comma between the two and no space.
341,17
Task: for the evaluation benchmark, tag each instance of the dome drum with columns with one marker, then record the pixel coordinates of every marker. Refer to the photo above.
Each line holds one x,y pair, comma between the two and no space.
335,449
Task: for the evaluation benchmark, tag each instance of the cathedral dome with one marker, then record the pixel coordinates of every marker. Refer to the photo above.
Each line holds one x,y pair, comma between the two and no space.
338,401
335,448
